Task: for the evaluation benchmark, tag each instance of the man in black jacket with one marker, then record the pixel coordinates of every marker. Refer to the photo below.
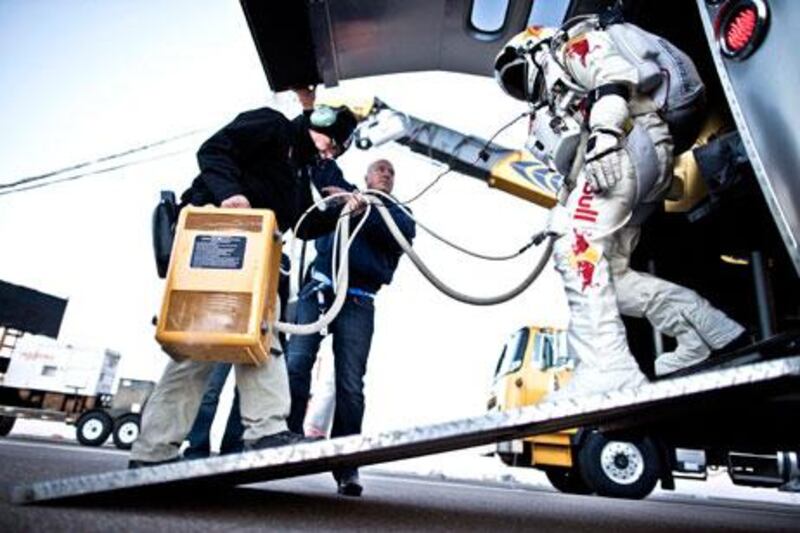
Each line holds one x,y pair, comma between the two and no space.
261,160
373,258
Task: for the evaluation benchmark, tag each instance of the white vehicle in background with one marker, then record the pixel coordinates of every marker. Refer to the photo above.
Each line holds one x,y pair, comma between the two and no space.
40,379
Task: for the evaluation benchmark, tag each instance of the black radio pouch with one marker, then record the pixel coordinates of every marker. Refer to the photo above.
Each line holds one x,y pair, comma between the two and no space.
165,216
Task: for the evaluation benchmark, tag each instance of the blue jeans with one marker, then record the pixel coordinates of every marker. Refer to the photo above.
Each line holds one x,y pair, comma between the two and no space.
199,436
352,335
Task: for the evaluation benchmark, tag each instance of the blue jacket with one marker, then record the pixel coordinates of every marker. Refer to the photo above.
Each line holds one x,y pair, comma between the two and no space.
374,253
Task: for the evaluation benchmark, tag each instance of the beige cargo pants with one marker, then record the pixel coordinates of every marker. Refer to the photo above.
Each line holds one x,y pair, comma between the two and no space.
170,411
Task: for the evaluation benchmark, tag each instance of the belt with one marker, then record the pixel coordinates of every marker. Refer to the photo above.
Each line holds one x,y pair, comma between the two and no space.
325,281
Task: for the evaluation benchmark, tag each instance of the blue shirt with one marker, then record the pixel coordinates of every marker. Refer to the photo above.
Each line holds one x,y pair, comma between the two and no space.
374,254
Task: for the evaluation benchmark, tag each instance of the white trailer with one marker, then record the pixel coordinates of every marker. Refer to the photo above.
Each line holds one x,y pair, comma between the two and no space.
39,363
41,379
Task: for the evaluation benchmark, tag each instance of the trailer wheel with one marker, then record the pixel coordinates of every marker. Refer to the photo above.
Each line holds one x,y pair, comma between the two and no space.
126,430
568,481
93,428
619,469
6,423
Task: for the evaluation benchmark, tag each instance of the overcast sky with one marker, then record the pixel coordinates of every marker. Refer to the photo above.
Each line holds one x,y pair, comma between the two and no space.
83,79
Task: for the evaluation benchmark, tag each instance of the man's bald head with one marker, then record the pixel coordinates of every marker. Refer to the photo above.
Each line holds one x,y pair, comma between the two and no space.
380,176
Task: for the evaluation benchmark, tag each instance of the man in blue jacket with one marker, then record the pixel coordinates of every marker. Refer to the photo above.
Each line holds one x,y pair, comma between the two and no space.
373,258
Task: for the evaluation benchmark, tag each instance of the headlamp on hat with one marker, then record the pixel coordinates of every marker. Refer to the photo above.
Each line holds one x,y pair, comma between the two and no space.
338,123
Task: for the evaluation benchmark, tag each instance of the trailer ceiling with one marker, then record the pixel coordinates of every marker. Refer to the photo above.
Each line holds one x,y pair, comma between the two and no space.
325,41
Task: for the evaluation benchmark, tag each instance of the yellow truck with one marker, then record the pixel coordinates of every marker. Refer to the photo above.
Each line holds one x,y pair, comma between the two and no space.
629,464
535,362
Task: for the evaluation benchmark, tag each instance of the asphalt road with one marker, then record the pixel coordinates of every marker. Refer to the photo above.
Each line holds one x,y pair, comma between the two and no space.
390,502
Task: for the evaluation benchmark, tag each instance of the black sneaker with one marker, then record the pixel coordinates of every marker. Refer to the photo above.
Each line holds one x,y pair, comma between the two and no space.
350,486
133,464
191,454
284,438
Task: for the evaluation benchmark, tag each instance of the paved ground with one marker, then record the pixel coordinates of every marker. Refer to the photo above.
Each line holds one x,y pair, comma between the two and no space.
391,502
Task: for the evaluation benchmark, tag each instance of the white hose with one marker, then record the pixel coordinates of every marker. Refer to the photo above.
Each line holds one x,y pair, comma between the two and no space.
316,205
446,241
345,240
439,284
335,259
577,164
342,226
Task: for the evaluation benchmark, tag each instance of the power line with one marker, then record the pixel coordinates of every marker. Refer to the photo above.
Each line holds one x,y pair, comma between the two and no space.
93,172
102,159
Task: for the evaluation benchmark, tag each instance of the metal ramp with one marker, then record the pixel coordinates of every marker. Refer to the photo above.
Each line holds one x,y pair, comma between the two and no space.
754,380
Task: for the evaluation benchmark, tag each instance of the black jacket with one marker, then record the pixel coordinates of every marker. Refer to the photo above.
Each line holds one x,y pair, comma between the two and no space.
374,254
268,159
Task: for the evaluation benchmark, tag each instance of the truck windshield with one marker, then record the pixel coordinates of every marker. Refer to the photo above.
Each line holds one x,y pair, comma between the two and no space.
513,353
549,350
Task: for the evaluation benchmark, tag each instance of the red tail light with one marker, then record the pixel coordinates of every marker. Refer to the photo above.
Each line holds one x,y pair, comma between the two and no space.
741,26
741,29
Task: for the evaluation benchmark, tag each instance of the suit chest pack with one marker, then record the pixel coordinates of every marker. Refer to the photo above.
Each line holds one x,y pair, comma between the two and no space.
554,138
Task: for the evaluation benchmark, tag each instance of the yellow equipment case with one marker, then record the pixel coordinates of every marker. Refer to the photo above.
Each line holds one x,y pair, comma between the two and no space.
221,285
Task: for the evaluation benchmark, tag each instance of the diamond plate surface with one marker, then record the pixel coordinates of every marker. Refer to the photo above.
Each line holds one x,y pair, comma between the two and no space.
320,456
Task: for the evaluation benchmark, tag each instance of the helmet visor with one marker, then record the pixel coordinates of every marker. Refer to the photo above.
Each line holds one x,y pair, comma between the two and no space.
511,72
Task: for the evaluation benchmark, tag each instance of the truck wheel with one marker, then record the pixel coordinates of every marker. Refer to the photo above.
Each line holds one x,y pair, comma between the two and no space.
126,430
567,480
93,428
6,423
619,469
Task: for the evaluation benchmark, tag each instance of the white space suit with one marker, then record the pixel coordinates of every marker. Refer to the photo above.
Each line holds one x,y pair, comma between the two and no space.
585,74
